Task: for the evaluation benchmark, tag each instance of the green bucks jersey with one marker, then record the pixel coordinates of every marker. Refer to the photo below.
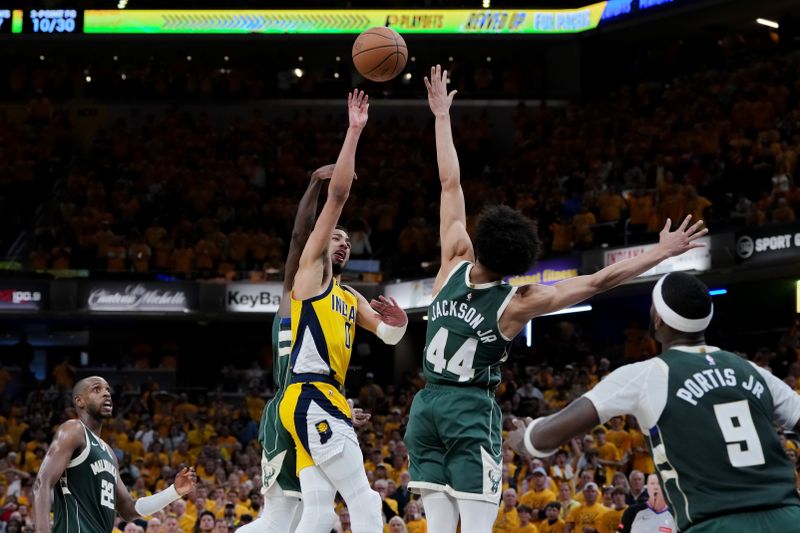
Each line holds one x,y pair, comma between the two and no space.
281,350
85,497
463,344
715,446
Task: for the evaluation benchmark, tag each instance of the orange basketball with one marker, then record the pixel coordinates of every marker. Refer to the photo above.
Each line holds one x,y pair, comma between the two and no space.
380,54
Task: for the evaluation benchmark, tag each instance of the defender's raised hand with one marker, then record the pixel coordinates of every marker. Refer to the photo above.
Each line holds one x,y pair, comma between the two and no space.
357,109
438,97
682,239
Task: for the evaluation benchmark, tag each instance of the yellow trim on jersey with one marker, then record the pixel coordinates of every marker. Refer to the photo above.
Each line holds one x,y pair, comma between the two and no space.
323,329
294,414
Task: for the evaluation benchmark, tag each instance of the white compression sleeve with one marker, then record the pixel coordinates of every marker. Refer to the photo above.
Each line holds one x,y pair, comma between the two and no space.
390,334
152,504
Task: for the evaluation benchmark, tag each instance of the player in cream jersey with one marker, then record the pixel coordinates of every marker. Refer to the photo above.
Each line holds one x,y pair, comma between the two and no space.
324,314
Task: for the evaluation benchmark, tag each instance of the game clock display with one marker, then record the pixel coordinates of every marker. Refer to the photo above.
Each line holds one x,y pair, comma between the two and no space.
41,21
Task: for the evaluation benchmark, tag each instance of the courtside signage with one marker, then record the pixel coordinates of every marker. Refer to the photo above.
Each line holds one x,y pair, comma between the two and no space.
139,297
768,244
253,297
697,259
549,272
22,296
411,294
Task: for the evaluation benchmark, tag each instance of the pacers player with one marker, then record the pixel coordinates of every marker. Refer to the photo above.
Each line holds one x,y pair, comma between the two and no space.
708,416
324,315
84,472
280,486
453,434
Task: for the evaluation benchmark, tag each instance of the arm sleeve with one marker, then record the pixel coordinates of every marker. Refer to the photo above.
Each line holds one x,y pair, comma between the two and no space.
152,504
639,389
785,400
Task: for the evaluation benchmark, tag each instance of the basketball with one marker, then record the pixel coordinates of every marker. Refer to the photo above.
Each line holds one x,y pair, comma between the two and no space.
380,54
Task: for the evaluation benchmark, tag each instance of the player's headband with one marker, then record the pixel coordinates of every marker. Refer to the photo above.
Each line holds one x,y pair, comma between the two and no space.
675,320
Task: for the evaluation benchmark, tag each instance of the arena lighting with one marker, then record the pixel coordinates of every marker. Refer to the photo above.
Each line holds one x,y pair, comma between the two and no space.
768,23
407,76
717,292
298,72
487,4
798,297
568,310
425,317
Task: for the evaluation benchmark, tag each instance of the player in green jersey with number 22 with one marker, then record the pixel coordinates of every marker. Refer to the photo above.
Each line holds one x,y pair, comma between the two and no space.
79,477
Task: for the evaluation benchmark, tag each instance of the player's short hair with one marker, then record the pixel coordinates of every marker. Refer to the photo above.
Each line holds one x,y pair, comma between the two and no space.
342,228
553,505
506,241
686,295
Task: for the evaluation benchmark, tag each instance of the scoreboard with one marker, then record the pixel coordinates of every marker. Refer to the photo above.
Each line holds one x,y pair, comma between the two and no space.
55,21
324,21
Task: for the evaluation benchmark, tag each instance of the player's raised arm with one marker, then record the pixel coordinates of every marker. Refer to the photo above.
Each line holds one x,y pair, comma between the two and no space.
69,438
382,316
536,300
452,213
303,224
311,271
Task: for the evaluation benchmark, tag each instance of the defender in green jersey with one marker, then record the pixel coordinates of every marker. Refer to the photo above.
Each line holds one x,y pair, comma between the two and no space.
79,476
708,416
280,486
453,434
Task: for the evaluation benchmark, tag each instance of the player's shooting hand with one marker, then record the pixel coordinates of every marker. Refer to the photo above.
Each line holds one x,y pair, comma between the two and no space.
438,97
185,481
323,173
682,239
516,437
357,109
390,312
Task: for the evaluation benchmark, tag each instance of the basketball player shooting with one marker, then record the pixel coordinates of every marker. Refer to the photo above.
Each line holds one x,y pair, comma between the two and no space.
324,314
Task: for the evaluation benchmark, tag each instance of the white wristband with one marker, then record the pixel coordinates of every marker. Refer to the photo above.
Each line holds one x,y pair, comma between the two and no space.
152,504
390,334
529,444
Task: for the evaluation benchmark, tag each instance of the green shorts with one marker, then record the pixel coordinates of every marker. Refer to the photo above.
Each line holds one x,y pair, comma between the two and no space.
278,455
780,519
454,442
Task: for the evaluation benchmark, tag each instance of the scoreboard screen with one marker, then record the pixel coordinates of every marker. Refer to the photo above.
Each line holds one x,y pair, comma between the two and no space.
53,21
324,21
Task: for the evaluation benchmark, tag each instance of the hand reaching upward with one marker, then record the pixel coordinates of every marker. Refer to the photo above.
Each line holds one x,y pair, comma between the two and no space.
357,109
682,239
438,98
